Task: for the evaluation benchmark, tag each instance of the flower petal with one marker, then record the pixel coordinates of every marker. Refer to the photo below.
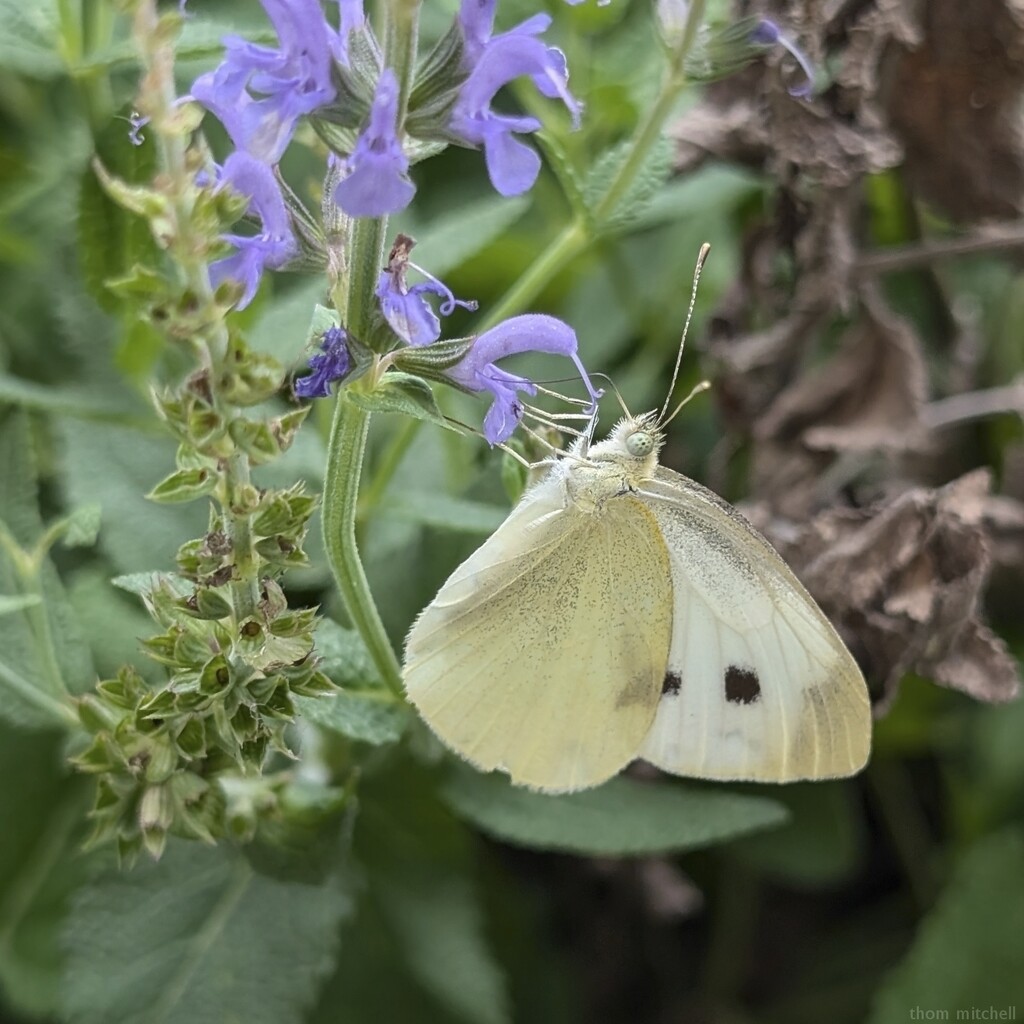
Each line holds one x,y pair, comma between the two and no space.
377,181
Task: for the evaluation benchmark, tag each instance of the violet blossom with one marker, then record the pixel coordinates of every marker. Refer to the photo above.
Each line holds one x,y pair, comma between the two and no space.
767,33
377,182
259,93
532,332
330,364
492,62
273,246
405,307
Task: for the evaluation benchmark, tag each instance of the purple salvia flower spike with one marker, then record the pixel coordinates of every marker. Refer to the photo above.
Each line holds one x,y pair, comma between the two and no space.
275,244
330,364
259,93
378,181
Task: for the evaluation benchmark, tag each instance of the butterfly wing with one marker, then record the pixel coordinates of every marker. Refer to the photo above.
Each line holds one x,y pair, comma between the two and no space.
544,653
759,684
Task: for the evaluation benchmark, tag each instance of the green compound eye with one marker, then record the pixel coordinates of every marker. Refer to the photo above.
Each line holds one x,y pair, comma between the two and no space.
640,444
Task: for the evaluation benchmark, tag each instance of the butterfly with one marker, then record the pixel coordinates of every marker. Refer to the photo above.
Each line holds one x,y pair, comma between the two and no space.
623,611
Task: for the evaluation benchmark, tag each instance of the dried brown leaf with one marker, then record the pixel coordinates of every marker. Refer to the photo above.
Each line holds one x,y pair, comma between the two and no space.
954,101
902,582
866,399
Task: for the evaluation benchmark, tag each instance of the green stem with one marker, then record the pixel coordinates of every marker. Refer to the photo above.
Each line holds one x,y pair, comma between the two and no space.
245,584
345,453
576,236
60,711
189,251
570,241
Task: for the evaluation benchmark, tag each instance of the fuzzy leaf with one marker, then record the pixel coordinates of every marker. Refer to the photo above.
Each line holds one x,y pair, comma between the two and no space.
112,241
41,864
115,467
42,653
198,938
402,393
621,818
420,873
371,716
967,951
364,710
446,513
28,38
652,175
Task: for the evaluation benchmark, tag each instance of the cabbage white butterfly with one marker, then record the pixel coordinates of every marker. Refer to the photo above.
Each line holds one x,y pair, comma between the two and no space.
624,611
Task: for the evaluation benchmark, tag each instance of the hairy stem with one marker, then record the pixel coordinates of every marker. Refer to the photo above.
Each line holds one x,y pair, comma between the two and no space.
161,95
345,453
576,236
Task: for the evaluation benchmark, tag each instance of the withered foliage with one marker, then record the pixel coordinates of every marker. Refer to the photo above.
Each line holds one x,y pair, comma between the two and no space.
850,476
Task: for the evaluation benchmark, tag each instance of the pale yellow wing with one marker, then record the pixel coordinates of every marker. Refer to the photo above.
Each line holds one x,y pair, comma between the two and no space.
544,653
759,684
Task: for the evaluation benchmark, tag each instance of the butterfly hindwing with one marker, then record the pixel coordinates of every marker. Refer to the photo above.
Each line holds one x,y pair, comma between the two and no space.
759,686
544,653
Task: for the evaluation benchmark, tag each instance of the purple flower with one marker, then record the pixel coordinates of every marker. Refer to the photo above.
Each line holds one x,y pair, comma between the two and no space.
259,93
273,246
767,33
533,332
331,364
377,182
137,122
492,62
406,308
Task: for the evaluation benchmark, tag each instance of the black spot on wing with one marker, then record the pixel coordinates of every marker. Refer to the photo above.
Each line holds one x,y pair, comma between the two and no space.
670,685
741,685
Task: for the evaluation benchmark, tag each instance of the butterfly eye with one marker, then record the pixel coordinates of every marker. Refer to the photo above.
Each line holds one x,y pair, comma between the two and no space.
639,444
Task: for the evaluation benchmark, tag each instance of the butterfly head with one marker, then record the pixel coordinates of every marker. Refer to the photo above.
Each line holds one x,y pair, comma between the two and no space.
638,437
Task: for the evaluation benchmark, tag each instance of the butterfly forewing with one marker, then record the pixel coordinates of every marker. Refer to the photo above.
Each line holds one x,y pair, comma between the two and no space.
759,686
544,653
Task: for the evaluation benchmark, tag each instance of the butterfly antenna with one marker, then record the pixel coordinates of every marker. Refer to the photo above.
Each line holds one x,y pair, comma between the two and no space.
701,258
699,389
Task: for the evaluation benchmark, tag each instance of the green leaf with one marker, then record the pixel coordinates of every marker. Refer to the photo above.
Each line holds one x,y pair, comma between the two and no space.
69,401
112,241
41,864
115,467
42,653
29,34
371,716
82,527
199,938
621,818
402,393
183,485
420,873
460,515
364,710
145,583
465,230
966,954
652,175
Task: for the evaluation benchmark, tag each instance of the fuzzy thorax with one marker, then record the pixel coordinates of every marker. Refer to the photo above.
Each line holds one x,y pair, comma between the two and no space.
620,463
